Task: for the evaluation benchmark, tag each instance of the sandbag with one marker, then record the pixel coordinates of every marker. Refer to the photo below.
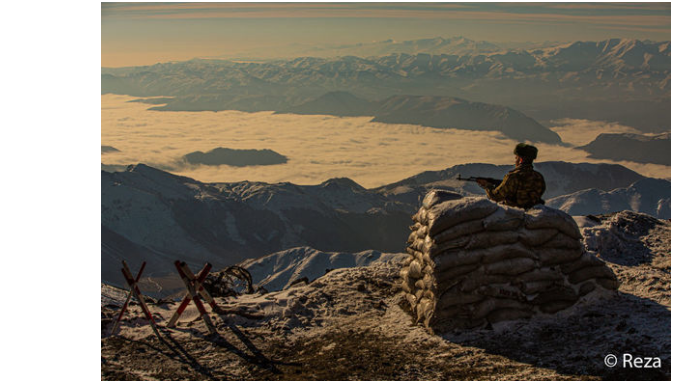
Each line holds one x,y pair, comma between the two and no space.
483,308
562,241
492,239
420,216
453,259
561,293
479,278
534,287
459,230
412,300
544,274
504,219
481,240
429,282
433,249
473,262
436,196
456,272
406,283
535,237
546,217
455,322
446,214
610,283
586,260
586,273
504,252
511,267
415,269
550,256
424,309
502,291
454,297
586,288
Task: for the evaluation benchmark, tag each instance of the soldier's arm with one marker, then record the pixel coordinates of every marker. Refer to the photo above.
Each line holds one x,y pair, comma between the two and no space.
503,190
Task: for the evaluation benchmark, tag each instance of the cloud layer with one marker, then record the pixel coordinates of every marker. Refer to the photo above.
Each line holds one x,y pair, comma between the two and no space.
319,147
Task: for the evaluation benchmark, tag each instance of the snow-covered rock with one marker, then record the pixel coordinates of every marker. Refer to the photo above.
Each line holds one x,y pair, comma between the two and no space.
628,238
651,196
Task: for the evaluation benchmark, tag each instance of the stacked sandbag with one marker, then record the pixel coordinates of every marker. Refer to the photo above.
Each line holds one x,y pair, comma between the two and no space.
473,262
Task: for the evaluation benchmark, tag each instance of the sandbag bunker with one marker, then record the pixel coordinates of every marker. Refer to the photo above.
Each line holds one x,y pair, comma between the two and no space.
473,262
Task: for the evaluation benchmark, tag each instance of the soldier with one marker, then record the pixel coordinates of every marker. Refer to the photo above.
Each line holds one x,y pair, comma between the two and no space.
522,187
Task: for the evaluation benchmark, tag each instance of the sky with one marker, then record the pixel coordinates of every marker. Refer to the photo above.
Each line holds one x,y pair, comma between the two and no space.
149,33
319,147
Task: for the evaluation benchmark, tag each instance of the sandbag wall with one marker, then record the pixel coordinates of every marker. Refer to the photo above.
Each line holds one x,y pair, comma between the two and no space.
474,262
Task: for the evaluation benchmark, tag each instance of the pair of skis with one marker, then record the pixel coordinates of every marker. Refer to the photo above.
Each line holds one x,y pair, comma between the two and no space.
134,290
195,291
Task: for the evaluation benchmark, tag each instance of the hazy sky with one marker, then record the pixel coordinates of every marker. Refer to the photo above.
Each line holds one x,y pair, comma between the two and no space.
320,147
147,33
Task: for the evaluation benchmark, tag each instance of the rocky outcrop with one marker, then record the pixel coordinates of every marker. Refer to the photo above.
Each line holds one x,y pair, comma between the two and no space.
473,262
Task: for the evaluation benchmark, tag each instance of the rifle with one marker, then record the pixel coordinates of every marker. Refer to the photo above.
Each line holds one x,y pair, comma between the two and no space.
492,181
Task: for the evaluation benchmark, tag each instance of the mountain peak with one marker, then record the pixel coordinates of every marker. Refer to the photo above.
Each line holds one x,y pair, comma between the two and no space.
142,171
149,171
341,182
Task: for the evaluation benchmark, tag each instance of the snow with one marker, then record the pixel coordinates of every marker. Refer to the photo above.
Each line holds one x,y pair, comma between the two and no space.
350,305
278,270
305,331
649,195
348,323
628,238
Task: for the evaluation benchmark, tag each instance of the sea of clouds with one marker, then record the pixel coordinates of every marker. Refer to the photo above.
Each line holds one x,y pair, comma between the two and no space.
320,147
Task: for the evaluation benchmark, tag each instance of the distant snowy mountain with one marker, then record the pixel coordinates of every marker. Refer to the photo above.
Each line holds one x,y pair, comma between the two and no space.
628,81
438,45
148,214
615,55
650,195
279,270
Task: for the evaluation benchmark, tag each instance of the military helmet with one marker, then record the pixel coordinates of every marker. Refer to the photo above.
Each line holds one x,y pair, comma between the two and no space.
526,151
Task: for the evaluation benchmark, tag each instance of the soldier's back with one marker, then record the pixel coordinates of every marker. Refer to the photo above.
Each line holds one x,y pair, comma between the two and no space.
530,186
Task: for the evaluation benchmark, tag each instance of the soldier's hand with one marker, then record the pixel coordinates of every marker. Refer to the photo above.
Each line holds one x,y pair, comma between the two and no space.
483,183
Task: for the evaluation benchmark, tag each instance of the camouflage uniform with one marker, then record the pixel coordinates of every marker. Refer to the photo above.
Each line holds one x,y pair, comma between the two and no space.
522,187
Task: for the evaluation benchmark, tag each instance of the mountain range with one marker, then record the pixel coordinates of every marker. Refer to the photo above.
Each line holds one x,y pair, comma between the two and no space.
623,80
457,45
648,195
654,149
148,214
430,111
